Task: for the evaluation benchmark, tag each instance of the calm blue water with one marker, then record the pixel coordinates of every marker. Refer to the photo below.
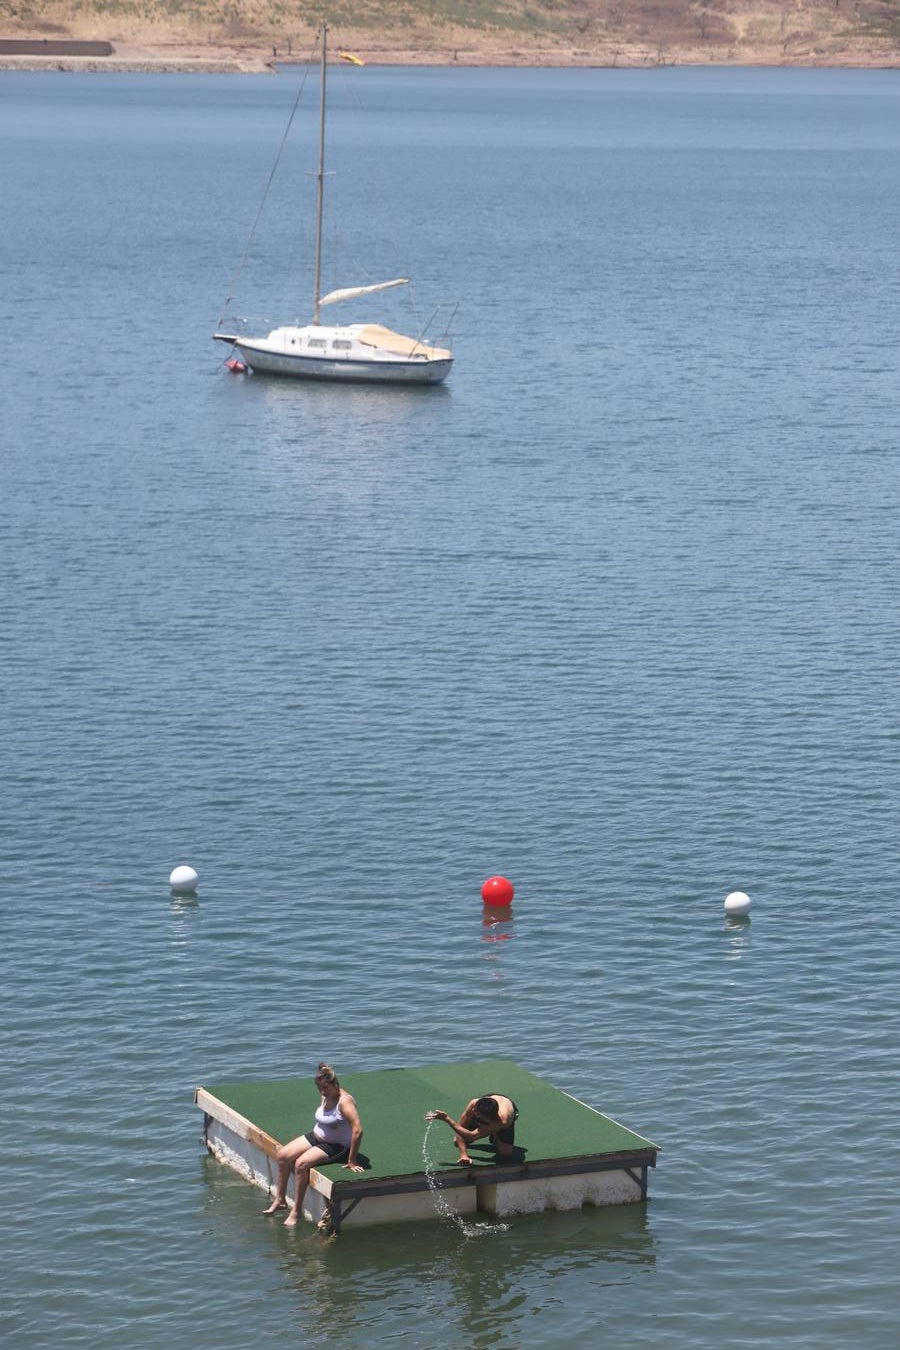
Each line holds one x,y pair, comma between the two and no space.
616,613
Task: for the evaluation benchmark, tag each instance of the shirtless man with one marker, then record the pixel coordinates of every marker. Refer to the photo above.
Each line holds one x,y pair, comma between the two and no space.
491,1117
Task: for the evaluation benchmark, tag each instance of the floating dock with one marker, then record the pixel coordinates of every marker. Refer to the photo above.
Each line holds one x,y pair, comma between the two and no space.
566,1153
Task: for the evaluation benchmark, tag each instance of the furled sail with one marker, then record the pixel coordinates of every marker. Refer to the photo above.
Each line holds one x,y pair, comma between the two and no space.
351,292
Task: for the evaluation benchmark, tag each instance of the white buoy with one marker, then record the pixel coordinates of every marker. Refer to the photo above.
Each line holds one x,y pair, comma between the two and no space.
184,879
737,903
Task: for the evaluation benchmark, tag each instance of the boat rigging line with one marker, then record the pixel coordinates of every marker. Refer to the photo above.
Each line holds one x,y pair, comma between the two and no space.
240,267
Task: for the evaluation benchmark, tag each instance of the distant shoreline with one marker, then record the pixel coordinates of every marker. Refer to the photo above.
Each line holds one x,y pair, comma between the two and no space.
220,58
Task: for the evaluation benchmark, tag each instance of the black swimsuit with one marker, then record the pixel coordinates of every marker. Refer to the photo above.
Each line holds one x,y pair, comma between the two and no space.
508,1134
335,1152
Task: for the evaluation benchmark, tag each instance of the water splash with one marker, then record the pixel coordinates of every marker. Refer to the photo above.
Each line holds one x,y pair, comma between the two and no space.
444,1209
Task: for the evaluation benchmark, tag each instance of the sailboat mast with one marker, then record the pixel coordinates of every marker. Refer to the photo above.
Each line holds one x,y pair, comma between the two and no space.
320,179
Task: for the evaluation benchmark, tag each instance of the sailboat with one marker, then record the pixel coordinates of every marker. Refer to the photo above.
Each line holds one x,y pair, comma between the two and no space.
352,352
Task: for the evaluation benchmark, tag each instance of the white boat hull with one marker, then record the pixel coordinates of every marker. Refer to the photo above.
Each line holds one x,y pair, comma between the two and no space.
381,370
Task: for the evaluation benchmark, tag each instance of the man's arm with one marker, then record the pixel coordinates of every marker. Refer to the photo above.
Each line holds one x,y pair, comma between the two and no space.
461,1130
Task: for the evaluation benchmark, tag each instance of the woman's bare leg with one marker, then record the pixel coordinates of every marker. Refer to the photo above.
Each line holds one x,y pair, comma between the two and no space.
280,1201
286,1156
302,1167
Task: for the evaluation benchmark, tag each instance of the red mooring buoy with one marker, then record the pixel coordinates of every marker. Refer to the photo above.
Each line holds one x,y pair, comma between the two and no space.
497,891
235,366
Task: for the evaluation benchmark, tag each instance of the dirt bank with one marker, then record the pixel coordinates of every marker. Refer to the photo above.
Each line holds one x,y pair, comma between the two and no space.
150,52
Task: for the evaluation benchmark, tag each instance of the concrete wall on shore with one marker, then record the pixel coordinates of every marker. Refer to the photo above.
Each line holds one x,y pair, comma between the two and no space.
52,47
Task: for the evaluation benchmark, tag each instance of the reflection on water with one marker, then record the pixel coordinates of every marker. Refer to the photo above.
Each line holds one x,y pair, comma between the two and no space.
497,925
182,904
184,909
345,444
485,1291
358,406
737,931
370,1282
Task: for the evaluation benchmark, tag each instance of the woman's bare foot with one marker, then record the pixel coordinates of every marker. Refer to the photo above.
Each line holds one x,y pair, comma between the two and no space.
275,1206
291,1220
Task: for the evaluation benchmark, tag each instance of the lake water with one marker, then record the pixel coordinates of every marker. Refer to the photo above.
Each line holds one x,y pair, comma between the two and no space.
616,613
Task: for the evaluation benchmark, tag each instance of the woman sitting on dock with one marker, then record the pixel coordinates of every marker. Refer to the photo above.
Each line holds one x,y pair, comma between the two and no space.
334,1137
492,1117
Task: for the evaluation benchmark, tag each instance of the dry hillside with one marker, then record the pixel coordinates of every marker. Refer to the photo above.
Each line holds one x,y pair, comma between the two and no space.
249,33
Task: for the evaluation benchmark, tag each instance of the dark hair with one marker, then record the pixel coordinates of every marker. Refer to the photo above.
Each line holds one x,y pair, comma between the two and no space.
326,1072
487,1108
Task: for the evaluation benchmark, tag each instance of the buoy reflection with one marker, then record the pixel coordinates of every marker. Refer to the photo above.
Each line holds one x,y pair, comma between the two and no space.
737,930
497,923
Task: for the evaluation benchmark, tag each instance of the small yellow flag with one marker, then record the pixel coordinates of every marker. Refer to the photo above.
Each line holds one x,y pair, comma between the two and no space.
354,60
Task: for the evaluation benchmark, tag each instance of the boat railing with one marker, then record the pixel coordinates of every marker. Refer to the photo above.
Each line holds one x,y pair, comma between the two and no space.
249,323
